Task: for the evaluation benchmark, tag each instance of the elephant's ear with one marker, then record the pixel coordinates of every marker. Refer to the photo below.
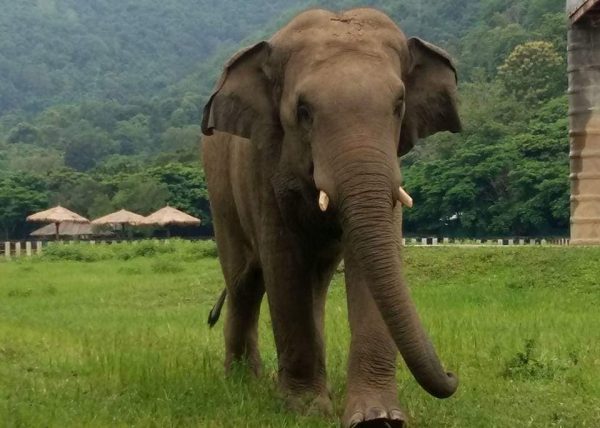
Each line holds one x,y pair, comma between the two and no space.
430,94
242,101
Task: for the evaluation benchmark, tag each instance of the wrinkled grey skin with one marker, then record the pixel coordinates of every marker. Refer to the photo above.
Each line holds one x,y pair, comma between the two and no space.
328,103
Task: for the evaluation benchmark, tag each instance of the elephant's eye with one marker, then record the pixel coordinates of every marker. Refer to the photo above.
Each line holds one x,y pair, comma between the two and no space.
303,114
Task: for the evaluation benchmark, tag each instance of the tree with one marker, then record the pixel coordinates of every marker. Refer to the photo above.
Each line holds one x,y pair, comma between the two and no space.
87,146
184,141
533,72
187,188
133,135
141,194
23,133
20,196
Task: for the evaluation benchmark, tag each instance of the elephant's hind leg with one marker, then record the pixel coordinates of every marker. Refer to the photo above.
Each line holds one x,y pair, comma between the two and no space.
244,297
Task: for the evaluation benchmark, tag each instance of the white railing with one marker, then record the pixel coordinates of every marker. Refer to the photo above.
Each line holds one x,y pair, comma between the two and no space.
429,242
10,249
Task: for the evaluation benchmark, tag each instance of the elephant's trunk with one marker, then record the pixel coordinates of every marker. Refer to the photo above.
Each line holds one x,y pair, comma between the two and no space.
365,203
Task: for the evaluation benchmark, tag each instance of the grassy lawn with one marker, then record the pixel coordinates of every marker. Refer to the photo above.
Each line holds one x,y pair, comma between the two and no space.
117,336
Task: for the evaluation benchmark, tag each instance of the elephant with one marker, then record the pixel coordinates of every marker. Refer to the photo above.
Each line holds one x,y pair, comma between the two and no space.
302,136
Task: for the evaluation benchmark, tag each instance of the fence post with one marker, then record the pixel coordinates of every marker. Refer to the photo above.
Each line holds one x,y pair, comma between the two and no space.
38,247
435,241
404,242
17,249
28,248
7,250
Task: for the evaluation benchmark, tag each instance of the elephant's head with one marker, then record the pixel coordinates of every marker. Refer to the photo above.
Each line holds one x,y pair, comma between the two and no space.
338,98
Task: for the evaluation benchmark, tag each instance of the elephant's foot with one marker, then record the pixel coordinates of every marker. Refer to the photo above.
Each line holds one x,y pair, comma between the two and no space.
364,410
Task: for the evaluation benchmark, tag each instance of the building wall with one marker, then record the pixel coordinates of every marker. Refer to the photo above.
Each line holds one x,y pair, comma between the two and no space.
584,133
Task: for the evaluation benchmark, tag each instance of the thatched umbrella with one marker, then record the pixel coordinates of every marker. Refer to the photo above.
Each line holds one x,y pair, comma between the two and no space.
57,215
168,216
122,217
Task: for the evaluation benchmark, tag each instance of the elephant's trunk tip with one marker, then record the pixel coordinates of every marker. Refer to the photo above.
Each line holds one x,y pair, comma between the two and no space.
449,389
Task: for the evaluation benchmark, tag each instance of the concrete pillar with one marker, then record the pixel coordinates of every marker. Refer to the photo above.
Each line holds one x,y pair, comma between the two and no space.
584,129
38,247
28,248
7,249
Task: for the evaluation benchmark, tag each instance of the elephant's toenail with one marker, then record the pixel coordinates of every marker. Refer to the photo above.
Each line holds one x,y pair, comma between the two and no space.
357,418
376,414
397,415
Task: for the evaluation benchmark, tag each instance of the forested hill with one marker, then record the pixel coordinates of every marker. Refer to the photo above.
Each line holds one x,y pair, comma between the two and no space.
54,51
100,103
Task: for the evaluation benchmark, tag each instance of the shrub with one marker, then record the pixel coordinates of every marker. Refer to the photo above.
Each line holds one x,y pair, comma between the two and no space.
75,252
84,252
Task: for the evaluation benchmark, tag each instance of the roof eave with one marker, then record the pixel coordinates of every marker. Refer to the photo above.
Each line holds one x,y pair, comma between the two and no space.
583,9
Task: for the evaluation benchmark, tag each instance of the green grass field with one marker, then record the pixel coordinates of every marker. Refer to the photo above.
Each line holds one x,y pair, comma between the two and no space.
117,336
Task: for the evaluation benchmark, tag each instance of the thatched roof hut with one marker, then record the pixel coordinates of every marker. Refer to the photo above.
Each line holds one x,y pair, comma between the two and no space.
57,215
168,216
120,217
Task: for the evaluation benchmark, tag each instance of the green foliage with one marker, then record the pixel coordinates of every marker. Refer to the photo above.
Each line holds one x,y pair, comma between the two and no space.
173,248
525,365
187,188
59,51
141,194
20,196
102,103
533,72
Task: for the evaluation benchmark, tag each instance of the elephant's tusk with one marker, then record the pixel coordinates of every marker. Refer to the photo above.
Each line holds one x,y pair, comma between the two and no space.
323,201
404,197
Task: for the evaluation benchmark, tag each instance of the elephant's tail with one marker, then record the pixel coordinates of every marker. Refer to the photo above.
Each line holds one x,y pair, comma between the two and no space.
215,312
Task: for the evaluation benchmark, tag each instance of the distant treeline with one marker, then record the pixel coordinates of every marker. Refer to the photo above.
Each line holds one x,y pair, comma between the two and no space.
100,105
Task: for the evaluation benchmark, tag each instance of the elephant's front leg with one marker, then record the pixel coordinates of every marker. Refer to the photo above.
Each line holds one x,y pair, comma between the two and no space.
292,296
371,391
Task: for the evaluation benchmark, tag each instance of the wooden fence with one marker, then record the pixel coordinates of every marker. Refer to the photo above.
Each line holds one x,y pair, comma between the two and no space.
13,249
